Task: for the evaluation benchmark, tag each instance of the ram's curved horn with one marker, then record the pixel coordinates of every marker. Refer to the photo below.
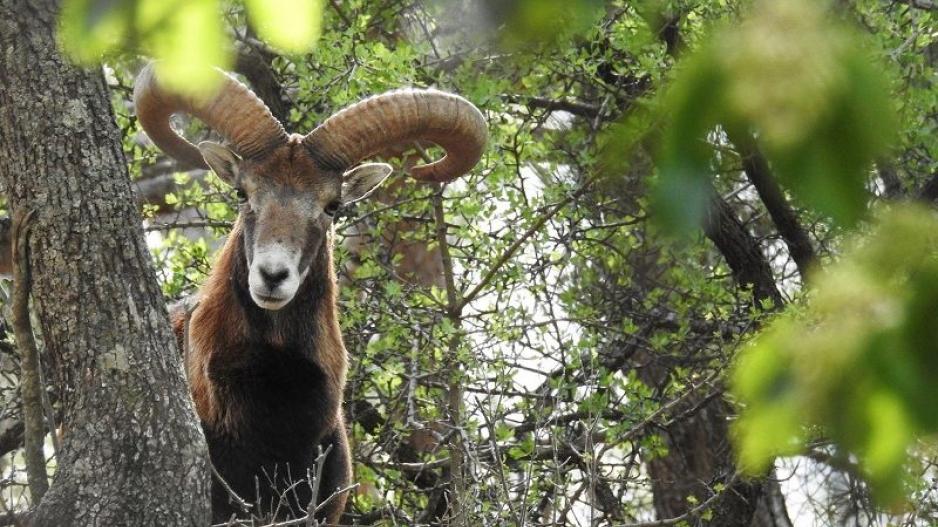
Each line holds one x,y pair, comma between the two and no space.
234,112
363,129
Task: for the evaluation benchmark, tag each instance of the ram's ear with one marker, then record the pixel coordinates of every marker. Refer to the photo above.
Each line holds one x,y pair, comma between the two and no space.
221,160
360,181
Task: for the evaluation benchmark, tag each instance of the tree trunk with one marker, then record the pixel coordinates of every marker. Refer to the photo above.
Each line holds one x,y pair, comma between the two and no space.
699,448
699,456
133,452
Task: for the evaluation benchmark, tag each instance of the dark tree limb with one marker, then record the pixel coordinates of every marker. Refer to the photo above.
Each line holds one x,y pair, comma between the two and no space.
741,251
341,14
153,190
929,191
254,62
759,502
925,5
772,511
11,436
786,220
30,384
580,109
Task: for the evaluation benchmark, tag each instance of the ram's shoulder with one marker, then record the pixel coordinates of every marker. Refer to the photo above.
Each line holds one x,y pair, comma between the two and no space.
179,313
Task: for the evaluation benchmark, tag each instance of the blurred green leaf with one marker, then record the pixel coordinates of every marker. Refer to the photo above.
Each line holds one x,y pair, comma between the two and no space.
91,28
188,36
292,25
802,82
857,362
527,22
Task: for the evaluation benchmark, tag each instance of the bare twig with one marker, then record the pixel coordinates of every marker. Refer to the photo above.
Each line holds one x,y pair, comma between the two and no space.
232,495
314,484
188,225
335,495
297,521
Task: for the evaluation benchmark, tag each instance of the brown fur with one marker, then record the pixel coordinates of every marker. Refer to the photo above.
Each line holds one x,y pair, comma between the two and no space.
333,358
267,376
290,166
217,326
214,327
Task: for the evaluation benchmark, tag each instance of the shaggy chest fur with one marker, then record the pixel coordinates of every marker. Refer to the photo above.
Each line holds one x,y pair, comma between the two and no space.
268,389
283,405
286,410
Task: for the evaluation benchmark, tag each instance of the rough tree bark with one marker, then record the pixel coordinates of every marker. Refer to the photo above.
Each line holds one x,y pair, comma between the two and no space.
741,252
133,452
699,448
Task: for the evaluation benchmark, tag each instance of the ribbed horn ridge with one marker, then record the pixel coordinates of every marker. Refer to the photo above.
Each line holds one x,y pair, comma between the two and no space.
234,112
363,129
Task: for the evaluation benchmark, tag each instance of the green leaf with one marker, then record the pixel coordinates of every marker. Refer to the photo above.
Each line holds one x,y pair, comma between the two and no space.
187,35
803,84
291,25
857,362
189,39
91,28
549,22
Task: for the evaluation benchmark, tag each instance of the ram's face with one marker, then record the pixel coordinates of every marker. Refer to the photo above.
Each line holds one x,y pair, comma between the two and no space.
287,205
292,185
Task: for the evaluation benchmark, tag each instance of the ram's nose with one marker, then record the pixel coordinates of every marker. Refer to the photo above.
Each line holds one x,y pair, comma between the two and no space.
273,279
273,275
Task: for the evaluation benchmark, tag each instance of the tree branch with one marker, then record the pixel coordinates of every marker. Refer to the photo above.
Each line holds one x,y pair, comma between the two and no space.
786,221
929,191
254,60
579,109
30,384
741,251
925,5
522,239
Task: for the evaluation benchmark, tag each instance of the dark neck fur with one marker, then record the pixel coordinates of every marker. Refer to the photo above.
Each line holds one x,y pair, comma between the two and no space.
294,325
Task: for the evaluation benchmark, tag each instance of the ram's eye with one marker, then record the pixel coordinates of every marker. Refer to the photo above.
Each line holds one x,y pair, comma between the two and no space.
332,208
242,197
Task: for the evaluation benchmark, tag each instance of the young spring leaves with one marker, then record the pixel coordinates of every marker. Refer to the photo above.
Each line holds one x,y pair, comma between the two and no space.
857,364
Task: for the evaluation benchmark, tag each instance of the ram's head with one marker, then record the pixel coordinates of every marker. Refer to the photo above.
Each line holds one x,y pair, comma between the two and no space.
290,185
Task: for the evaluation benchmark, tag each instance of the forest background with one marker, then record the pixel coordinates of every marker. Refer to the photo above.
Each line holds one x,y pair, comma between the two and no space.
691,282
